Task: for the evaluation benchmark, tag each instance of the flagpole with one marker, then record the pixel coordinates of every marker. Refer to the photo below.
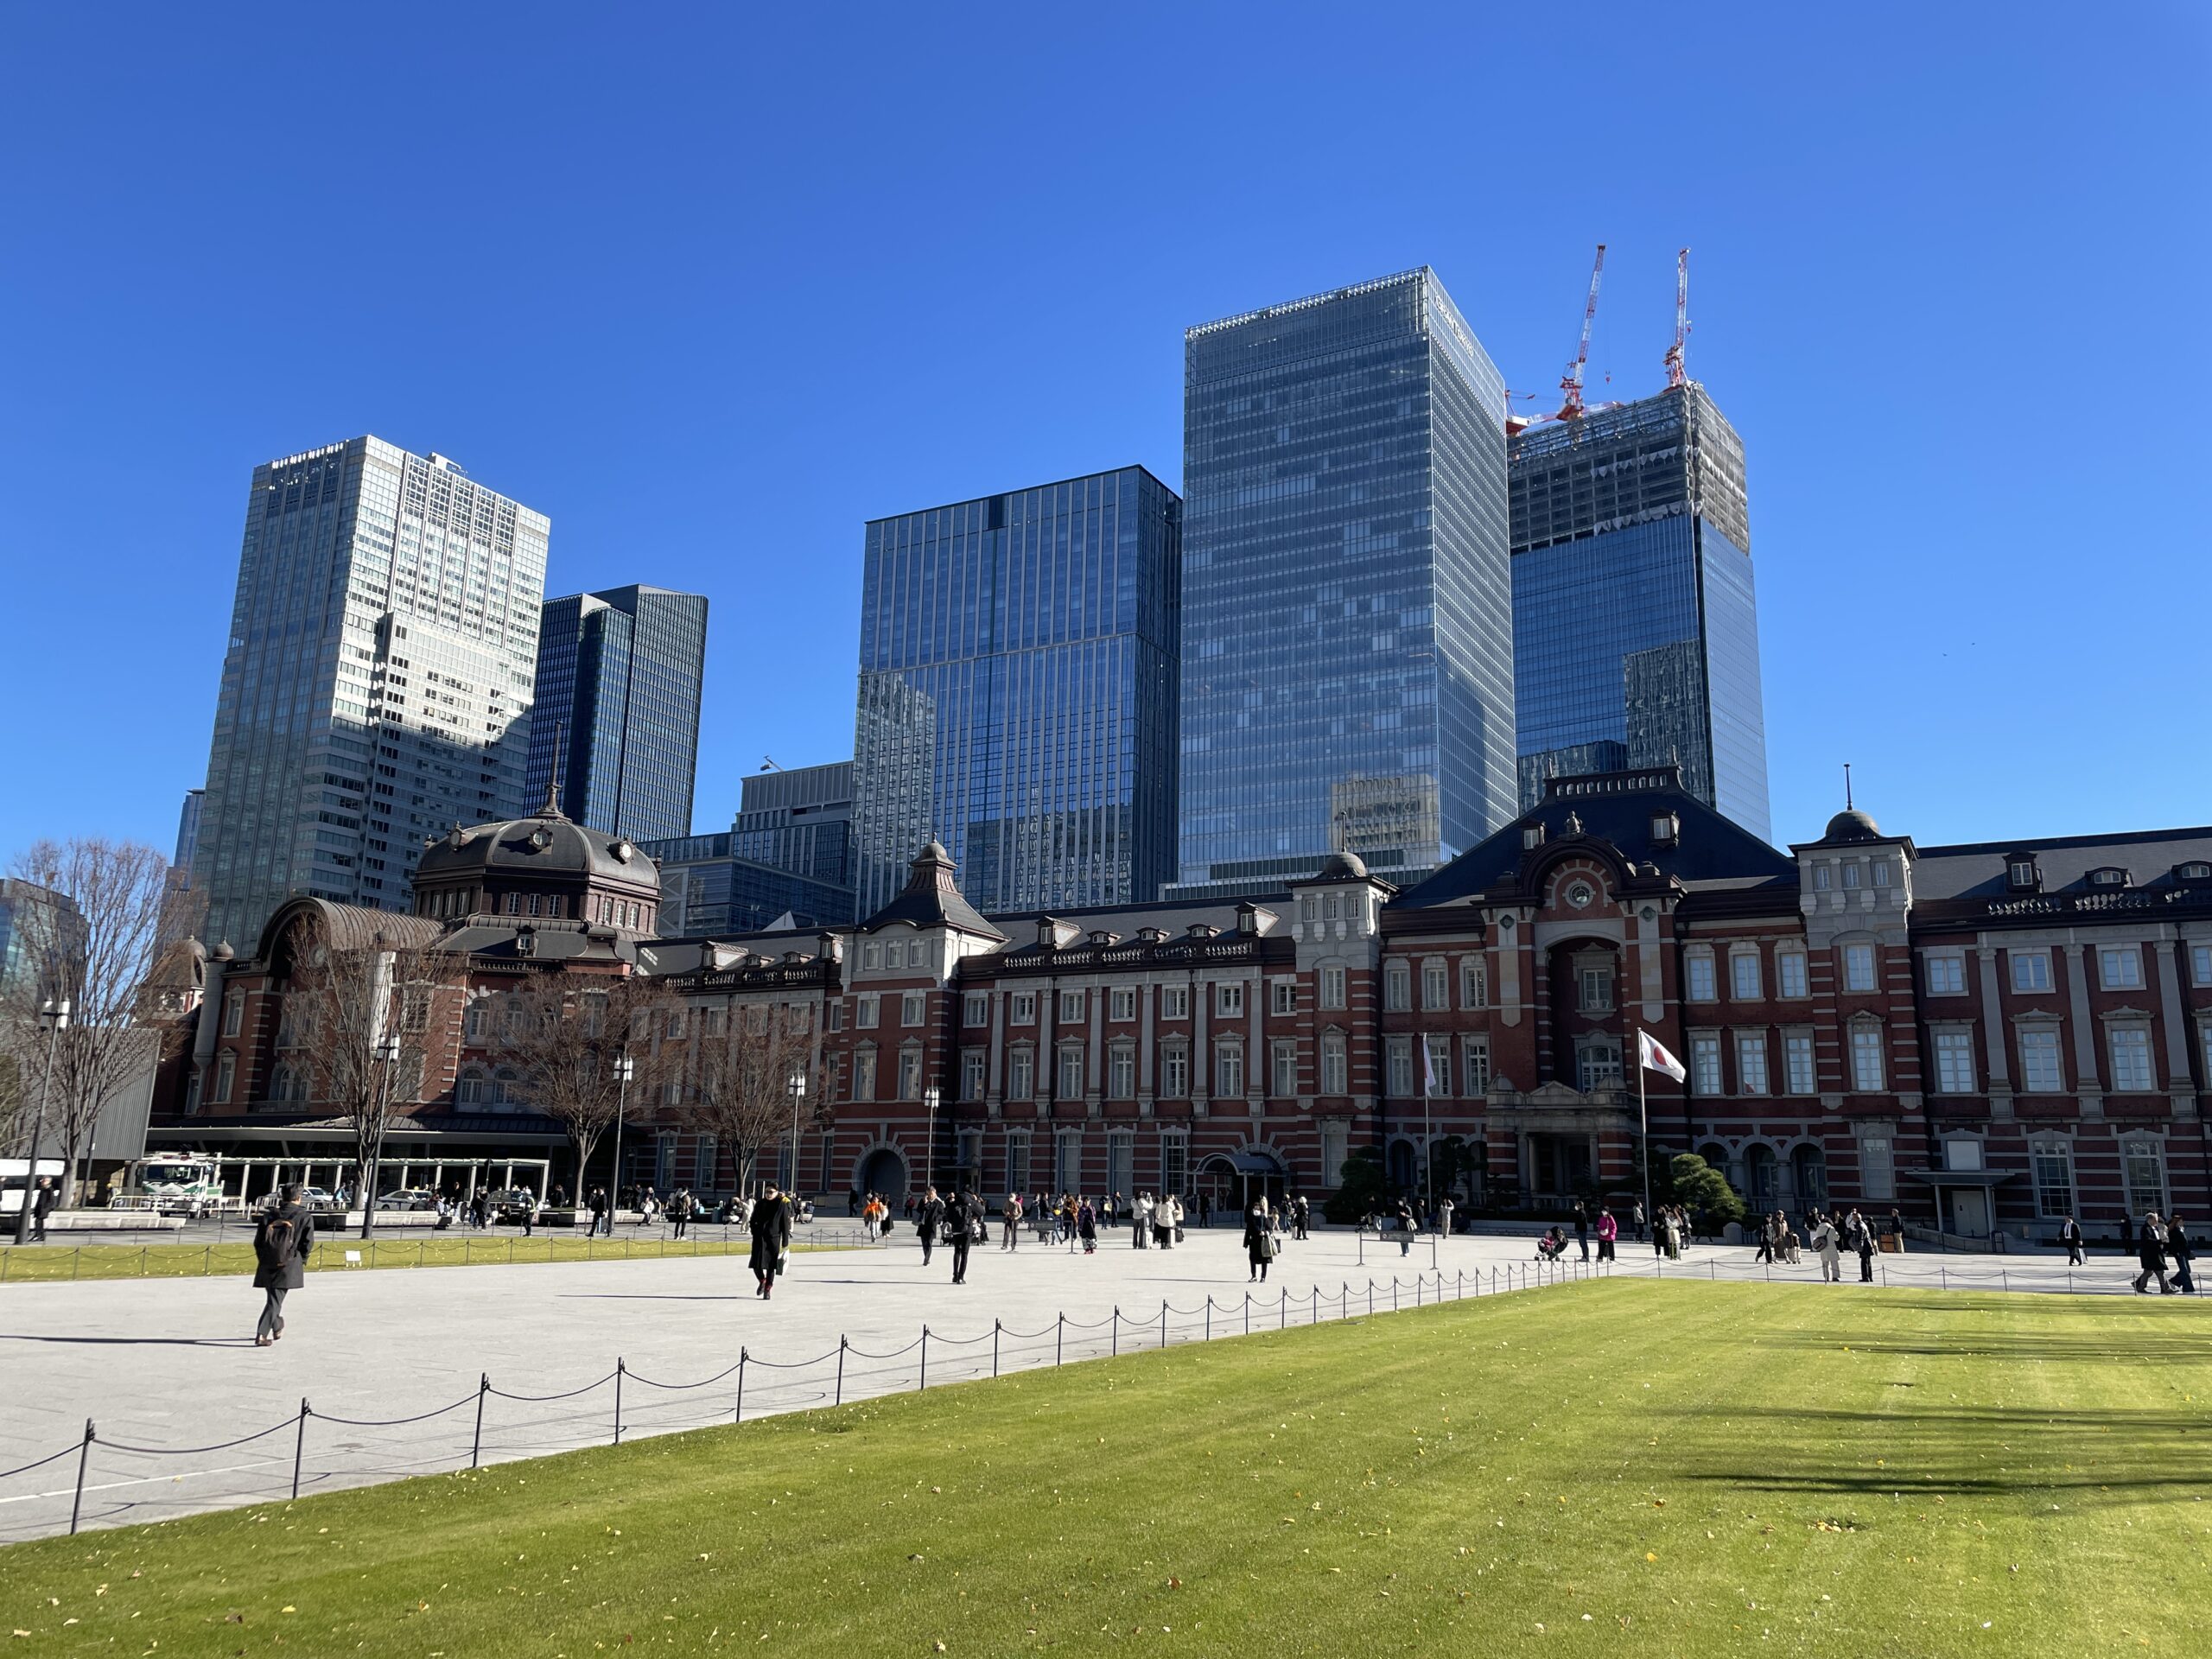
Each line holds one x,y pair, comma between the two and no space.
1644,1125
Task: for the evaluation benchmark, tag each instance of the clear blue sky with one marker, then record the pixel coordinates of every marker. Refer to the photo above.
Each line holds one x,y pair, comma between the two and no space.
712,285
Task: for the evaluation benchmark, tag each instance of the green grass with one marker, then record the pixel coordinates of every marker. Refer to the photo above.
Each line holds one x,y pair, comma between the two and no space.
45,1263
1612,1468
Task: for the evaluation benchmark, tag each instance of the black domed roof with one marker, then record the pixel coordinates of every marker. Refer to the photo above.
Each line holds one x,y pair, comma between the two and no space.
548,842
1343,867
1852,824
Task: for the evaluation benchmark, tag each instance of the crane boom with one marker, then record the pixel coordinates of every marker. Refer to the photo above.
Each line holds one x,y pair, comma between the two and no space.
1571,383
1677,368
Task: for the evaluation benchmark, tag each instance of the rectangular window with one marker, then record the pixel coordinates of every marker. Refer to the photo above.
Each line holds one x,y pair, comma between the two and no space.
1336,1141
1851,875
1797,1055
1332,987
1174,1001
1955,1063
909,1074
1474,983
1700,978
1858,967
976,1008
1122,1002
1070,1074
1334,1066
2121,968
1022,1074
715,1021
1174,1164
1282,1066
1228,1070
911,1006
872,956
1877,1168
1867,1060
1122,1072
226,1074
1821,878
1789,970
1751,1065
1397,988
2039,1069
837,1016
1400,1051
1474,1056
864,1074
1071,1008
1881,872
1284,995
1174,1073
233,1016
1120,1163
1067,1162
1946,974
2142,1168
1023,1008
2131,1060
1017,1160
1743,976
675,1025
1594,990
971,1075
2199,963
1228,1000
2030,970
866,1016
2054,1175
1435,985
1436,1057
1705,1065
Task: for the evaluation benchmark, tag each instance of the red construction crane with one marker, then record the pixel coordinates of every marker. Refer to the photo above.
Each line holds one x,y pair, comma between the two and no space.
1677,371
1571,383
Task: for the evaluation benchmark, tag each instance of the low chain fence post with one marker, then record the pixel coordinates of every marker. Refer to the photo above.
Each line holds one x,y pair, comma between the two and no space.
1282,1310
300,1446
840,1399
738,1416
1163,1322
1247,1313
994,1347
923,1386
1059,1337
620,1367
476,1445
83,1458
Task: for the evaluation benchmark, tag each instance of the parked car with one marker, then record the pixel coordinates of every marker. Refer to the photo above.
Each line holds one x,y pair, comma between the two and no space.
512,1204
409,1197
321,1199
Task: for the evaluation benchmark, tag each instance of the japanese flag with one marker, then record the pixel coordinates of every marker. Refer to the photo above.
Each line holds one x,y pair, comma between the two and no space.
1654,1057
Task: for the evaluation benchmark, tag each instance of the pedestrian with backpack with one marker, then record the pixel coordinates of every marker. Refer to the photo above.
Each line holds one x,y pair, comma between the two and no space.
283,1240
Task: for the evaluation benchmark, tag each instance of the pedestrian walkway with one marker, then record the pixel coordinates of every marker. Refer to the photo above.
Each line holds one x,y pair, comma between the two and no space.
392,1364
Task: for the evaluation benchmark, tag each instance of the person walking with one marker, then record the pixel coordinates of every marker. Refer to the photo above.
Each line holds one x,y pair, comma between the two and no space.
2069,1235
1086,1227
1010,1223
1444,1207
595,1201
1167,1213
1858,1239
42,1197
283,1240
928,1217
959,1232
1635,1220
2150,1253
528,1207
1259,1242
1608,1231
1140,1222
771,1227
1301,1210
679,1212
1582,1228
1826,1246
2178,1247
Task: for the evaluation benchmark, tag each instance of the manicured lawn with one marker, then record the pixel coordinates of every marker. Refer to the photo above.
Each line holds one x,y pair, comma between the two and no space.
1617,1468
44,1264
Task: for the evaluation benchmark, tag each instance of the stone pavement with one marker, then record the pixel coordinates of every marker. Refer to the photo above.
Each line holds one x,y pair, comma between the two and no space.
167,1371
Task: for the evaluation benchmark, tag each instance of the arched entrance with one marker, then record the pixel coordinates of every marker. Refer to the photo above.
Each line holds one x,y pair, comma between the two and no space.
1405,1166
1228,1182
1759,1178
883,1172
1808,1177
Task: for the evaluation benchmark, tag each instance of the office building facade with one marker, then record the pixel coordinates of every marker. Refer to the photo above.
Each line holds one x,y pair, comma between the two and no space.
1635,619
616,722
1347,661
377,686
1018,687
790,852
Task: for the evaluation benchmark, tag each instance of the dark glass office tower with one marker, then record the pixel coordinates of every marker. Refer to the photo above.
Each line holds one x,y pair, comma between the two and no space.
1348,647
1017,694
619,680
1635,624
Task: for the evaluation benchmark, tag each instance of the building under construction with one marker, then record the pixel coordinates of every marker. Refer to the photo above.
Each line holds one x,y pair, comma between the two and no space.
1635,622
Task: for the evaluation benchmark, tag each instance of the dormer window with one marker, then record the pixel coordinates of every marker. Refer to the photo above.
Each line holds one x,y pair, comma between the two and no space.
1666,828
2193,872
1532,836
1202,929
2108,877
2021,874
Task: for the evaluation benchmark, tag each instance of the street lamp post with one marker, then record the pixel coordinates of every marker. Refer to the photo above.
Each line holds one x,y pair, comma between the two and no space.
624,1069
386,1053
53,1014
929,1149
798,1094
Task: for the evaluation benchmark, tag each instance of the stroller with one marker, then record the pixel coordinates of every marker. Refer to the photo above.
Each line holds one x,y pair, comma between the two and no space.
1551,1246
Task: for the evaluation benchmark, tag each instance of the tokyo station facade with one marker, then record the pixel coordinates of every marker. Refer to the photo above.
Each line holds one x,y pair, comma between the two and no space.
1987,1038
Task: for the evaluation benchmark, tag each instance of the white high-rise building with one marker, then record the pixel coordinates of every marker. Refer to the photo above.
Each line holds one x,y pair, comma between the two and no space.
376,687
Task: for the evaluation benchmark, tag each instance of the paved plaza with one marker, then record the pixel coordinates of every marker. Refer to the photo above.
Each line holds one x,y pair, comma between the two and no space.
168,1372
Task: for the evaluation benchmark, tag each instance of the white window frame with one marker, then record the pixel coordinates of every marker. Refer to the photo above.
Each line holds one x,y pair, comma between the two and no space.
1746,979
1704,1066
1175,1072
1229,1070
1859,955
867,1012
1022,1008
976,1009
1944,973
2132,1040
1700,978
1229,999
1067,1060
1474,982
913,1008
1282,1066
1398,1056
1752,1077
1072,1007
2200,964
1436,1052
1122,1003
2060,1152
1474,1063
1174,1001
1021,1073
1284,996
2119,967
2136,1150
2030,972
1868,1059
1121,1072
1800,1074
1435,985
1792,974
1954,1065
1336,1064
1332,987
1397,988
2035,1077
974,1069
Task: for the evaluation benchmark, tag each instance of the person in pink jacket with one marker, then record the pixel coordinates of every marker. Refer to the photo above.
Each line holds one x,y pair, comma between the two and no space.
1608,1231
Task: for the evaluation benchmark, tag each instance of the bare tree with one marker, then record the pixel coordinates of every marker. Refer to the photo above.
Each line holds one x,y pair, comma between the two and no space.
361,1016
741,1071
564,1033
92,938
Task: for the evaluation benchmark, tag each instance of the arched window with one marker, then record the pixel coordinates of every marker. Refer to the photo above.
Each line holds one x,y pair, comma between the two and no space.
1760,1176
470,1091
1809,1176
503,1092
1715,1154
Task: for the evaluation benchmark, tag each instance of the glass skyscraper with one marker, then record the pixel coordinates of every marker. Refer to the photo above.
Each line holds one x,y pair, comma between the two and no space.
789,850
377,686
1017,698
620,676
1634,623
1348,648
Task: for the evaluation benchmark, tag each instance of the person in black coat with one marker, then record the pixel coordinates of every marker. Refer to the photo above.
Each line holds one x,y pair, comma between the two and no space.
2181,1252
929,1218
283,1240
771,1241
2069,1235
2151,1255
956,1217
1259,1240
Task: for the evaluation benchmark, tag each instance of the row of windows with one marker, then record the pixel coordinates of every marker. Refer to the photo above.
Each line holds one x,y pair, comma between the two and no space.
2119,968
1746,980
2127,1054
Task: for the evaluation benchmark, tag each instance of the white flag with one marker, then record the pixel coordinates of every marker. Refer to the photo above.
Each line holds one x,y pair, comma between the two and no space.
1428,1070
1654,1057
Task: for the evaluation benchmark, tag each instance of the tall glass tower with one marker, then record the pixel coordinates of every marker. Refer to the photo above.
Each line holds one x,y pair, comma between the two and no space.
620,676
1017,694
376,687
1348,646
1634,623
